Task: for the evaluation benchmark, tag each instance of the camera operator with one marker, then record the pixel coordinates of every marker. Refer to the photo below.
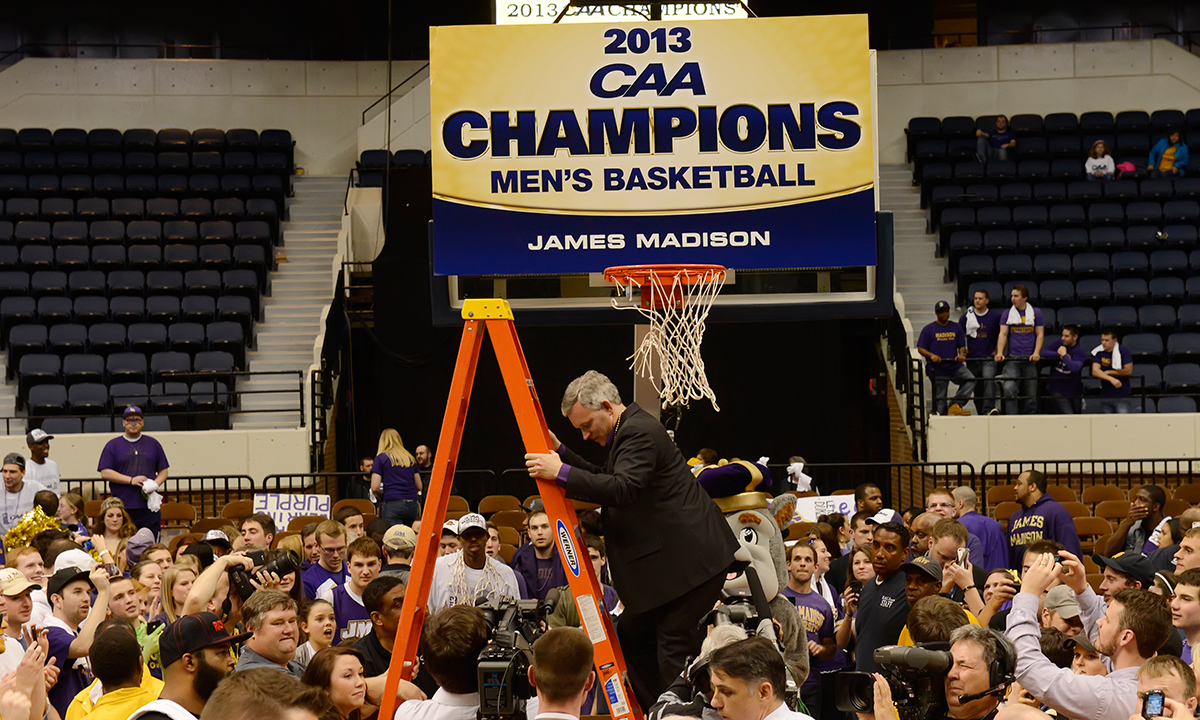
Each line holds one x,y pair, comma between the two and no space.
562,673
688,695
450,645
748,679
982,668
1132,629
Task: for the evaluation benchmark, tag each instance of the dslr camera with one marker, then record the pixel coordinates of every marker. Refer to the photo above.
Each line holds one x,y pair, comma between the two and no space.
915,675
240,580
513,626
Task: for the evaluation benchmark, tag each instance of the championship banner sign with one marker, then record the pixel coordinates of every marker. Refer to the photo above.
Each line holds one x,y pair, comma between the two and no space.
808,509
571,148
284,507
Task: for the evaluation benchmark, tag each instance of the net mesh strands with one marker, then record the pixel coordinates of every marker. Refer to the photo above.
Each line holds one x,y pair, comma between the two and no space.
676,300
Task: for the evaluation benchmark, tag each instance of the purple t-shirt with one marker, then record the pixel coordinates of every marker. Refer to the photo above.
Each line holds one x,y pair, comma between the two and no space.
1022,338
1105,360
943,341
353,620
71,679
1064,376
143,456
315,578
983,345
817,619
999,138
398,481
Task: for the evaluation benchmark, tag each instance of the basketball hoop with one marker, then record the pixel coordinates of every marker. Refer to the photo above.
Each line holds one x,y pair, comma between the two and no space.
676,300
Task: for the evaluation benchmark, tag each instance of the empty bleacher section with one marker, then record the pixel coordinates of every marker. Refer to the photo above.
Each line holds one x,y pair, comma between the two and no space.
372,165
1122,253
132,267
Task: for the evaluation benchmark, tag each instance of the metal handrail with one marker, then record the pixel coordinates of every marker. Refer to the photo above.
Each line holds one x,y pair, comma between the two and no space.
201,491
390,92
162,47
984,37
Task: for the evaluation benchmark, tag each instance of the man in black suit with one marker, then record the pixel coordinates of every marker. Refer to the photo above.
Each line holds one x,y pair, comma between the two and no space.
668,545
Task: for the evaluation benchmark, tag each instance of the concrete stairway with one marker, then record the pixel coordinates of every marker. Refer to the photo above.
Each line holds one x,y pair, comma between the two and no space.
299,289
920,274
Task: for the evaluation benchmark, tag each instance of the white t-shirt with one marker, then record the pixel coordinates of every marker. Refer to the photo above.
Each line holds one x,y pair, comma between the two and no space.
1104,164
442,595
46,474
11,657
442,706
14,505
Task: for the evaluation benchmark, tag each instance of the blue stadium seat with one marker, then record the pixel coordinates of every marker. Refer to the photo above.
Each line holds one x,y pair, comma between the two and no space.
1181,211
194,209
1051,266
86,282
1033,242
1180,237
1131,291
1093,292
1064,147
1145,347
131,393
184,337
47,400
1157,318
1143,213
127,310
238,309
200,309
107,232
1063,216
1167,290
43,283
1031,148
162,209
234,209
1143,238
62,426
1158,190
38,369
88,399
1084,192
919,129
1175,404
1061,124
55,310
147,338
1169,262
1049,193
145,258
1102,214
101,425
1066,170
1106,239
1057,293
1133,121
180,257
1026,124
1071,240
226,337
1090,265
105,338
1133,143
82,368
999,242
105,258
1016,193
181,232
139,139
1030,217
1082,317
1163,120
68,338
36,257
216,257
1130,264
70,258
90,209
1097,121
174,140
1183,347
1033,171
1187,189
1189,317
130,367
90,310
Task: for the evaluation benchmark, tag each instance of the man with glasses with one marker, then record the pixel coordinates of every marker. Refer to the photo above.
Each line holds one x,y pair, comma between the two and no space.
128,462
941,502
330,570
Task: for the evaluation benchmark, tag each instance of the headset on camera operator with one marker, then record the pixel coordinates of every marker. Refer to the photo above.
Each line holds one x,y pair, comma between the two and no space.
977,671
562,673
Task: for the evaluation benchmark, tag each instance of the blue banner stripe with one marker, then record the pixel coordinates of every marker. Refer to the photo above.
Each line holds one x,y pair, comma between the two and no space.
471,240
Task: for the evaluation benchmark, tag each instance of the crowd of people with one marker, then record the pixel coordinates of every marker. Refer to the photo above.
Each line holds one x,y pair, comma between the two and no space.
994,360
103,621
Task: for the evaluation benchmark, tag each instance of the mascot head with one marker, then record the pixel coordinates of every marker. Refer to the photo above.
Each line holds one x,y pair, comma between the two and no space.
758,524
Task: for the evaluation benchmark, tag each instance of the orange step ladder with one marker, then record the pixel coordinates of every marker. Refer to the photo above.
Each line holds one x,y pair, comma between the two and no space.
495,316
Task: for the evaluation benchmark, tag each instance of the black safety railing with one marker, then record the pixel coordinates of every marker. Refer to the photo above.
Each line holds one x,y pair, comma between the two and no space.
392,91
324,483
1038,35
1078,474
993,392
208,494
161,51
910,384
320,399
903,484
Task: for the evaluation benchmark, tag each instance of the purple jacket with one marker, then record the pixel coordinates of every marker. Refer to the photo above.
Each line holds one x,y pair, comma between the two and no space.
524,564
1045,519
991,540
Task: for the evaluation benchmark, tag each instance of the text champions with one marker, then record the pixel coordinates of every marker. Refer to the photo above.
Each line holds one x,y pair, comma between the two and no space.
661,128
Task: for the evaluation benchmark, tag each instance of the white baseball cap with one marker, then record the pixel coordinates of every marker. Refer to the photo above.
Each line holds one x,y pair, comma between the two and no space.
885,516
471,520
74,558
450,526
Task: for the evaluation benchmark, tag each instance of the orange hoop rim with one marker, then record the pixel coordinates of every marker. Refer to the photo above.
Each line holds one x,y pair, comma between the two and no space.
686,273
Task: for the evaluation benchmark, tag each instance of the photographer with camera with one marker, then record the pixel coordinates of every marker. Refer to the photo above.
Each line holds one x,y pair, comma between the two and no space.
1131,630
748,680
978,669
561,673
450,645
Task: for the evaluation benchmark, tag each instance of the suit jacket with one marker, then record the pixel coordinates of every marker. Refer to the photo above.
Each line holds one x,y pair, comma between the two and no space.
664,535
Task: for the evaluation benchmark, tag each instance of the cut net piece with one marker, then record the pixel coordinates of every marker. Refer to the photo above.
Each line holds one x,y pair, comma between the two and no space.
675,299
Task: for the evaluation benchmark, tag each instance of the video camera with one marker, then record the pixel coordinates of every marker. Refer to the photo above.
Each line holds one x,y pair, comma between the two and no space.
504,662
241,581
915,674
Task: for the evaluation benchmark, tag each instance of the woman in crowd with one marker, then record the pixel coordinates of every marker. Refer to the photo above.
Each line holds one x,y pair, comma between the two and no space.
291,582
841,528
317,623
339,672
395,481
1170,534
1099,164
1169,156
861,567
70,511
177,580
114,524
148,573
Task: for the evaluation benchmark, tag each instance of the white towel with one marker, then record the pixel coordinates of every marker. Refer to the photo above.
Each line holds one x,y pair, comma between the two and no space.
803,481
1014,316
1117,362
972,324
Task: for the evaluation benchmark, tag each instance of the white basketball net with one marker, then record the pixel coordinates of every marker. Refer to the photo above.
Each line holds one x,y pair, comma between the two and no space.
676,331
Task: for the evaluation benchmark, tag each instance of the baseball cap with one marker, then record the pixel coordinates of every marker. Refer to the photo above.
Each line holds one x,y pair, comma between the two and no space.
76,559
1061,599
13,583
925,565
450,526
1135,565
941,305
136,545
885,516
400,537
194,632
15,459
1082,641
132,410
202,550
217,537
36,436
65,577
471,520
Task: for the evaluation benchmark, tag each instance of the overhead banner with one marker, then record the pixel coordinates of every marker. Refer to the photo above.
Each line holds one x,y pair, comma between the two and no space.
571,148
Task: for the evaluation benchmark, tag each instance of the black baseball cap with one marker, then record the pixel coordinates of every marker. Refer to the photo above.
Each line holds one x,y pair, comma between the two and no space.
1135,565
191,633
65,577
